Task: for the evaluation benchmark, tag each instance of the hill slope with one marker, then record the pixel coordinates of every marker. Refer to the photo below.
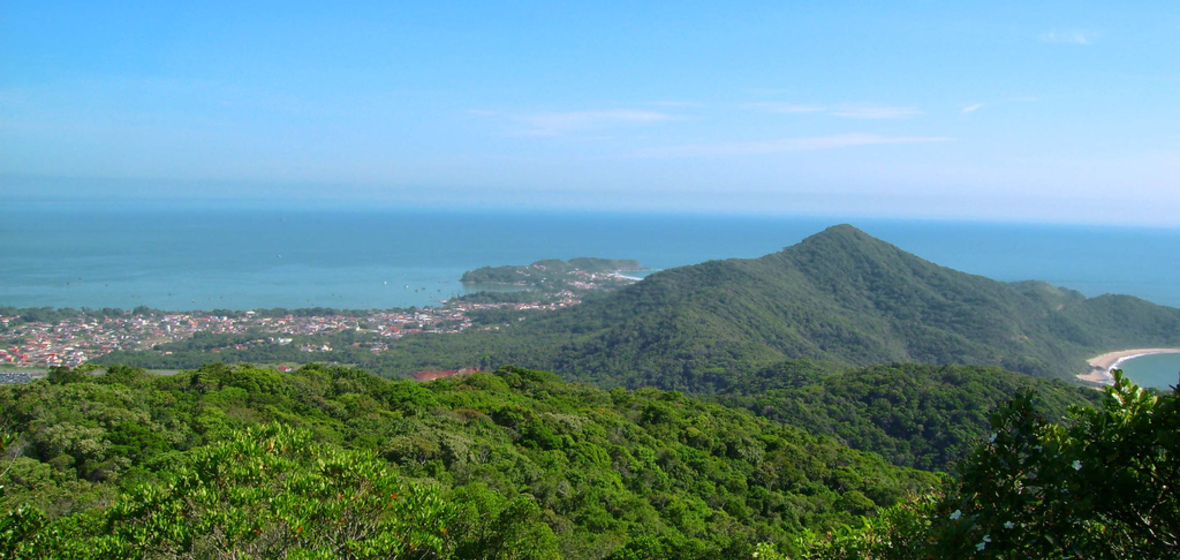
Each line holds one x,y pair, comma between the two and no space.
844,297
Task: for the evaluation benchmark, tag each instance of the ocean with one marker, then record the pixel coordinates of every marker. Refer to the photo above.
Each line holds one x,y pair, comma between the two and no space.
184,260
238,259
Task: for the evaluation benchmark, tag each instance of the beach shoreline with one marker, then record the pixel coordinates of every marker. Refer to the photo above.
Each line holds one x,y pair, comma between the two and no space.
1100,366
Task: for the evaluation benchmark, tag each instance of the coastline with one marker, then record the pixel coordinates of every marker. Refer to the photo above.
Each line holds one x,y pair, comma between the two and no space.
1100,366
623,274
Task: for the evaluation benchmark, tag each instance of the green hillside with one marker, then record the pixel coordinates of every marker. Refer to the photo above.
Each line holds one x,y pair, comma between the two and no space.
840,296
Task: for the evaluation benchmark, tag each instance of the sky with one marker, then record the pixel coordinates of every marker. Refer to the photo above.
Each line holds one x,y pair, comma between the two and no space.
995,111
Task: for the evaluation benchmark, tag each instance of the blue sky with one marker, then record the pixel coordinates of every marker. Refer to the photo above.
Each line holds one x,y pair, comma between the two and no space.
1042,111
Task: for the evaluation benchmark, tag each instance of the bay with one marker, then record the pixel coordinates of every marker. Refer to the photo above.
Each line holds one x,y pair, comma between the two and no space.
1159,371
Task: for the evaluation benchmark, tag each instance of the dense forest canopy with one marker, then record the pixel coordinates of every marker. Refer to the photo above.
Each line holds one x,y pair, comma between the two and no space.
915,415
194,460
332,462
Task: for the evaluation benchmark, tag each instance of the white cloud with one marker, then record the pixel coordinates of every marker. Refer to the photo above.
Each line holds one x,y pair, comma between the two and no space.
1069,37
972,108
556,124
801,144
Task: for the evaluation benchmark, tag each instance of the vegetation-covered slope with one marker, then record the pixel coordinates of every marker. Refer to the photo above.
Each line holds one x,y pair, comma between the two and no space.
845,297
914,415
839,296
222,458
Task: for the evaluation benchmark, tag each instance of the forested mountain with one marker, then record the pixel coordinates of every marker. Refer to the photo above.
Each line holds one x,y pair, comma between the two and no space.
839,296
334,463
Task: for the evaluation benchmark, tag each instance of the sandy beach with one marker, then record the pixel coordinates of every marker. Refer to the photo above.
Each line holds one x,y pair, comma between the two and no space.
1100,366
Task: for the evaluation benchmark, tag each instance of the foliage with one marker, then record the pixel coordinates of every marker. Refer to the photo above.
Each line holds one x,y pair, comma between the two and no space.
267,491
515,296
7,440
1103,487
914,415
1100,487
523,466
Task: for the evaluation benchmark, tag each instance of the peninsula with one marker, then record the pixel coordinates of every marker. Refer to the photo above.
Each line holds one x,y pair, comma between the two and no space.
554,275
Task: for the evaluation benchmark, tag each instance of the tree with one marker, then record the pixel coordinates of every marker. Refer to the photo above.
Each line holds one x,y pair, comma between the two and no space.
1103,485
1107,486
7,440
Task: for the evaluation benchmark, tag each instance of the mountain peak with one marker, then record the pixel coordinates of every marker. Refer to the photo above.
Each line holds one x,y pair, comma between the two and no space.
840,231
844,239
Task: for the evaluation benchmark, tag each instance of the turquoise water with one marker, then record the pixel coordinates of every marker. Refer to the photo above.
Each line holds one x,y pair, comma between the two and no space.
1154,370
180,260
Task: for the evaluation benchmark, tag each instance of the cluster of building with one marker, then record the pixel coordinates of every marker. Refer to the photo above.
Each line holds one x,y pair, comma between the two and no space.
73,341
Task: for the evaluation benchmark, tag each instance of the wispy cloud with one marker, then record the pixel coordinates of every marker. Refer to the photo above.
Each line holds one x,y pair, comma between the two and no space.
848,110
996,102
1069,37
786,108
689,104
769,91
801,144
556,124
875,112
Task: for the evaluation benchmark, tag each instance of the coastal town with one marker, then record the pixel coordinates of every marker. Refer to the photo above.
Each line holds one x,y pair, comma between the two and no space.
74,340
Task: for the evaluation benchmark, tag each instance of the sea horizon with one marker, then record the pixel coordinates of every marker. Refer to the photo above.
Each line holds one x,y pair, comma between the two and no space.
183,259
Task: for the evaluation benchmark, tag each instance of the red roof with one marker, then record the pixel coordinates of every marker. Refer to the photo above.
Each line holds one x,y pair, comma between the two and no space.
431,375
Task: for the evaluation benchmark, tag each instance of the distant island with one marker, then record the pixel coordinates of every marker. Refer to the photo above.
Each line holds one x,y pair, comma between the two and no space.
554,275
